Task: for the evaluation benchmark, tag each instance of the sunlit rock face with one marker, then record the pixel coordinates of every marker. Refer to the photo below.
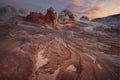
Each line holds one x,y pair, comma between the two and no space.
82,50
66,17
50,18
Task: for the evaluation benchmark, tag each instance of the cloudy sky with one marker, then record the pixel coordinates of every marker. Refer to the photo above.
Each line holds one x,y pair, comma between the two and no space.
90,8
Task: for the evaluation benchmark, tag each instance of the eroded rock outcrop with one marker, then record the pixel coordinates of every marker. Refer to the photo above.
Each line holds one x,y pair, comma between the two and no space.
35,17
50,18
66,17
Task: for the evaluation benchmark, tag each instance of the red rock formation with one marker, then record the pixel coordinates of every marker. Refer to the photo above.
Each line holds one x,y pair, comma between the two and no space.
80,51
35,17
49,18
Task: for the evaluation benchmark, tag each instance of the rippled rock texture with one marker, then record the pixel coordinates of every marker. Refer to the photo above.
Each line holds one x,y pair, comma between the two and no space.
81,50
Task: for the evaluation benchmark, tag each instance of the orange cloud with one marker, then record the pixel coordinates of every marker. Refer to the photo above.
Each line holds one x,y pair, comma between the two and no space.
103,9
94,12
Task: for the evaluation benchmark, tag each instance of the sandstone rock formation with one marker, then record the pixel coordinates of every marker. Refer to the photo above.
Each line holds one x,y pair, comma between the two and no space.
82,50
35,17
50,18
66,17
